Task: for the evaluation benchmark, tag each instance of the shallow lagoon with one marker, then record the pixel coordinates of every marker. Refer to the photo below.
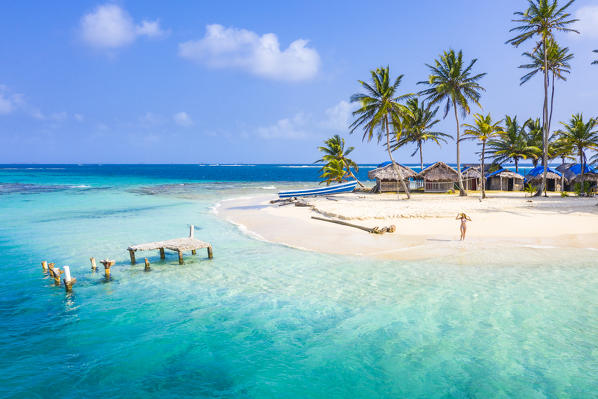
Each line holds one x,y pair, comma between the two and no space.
262,320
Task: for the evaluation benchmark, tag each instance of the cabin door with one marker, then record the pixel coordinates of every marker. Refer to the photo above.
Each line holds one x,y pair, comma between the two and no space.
510,183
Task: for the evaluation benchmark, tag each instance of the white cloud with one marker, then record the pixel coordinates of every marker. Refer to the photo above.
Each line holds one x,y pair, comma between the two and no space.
293,128
6,104
9,101
588,22
58,116
110,26
78,117
182,119
338,117
260,55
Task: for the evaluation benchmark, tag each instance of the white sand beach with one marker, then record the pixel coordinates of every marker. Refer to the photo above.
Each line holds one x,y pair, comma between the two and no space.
426,225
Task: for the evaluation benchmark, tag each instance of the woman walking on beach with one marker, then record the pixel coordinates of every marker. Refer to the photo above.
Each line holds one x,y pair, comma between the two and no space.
464,218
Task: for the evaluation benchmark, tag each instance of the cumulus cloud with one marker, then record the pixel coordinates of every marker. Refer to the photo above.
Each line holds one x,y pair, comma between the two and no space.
109,27
182,119
287,128
9,101
588,22
338,117
223,47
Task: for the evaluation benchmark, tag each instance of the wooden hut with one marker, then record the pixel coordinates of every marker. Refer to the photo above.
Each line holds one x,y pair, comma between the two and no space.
572,175
472,177
387,180
505,180
438,178
553,178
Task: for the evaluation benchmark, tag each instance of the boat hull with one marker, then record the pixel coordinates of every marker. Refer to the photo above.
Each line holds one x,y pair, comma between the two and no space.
339,188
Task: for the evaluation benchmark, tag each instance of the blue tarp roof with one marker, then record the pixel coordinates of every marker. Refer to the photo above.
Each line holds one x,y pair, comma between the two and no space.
577,169
495,173
383,164
539,170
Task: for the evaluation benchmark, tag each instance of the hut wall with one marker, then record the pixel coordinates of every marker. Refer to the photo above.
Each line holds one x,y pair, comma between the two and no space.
394,186
438,186
471,184
504,184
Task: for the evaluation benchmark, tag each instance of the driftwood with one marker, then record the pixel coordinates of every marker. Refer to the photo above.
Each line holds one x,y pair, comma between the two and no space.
372,230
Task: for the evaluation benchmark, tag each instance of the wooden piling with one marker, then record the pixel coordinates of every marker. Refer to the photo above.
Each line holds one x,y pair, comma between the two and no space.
93,264
162,255
132,254
210,254
147,265
51,269
107,265
193,252
45,266
68,285
180,257
57,272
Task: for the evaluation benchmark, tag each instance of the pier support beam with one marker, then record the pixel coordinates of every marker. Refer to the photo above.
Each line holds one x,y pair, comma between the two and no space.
210,254
162,255
45,266
180,257
147,265
132,254
93,264
107,265
193,252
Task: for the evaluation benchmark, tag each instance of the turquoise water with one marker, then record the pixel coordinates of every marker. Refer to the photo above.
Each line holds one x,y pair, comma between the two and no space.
262,320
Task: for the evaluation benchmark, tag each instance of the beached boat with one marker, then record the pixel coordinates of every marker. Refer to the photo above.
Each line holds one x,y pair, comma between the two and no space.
339,188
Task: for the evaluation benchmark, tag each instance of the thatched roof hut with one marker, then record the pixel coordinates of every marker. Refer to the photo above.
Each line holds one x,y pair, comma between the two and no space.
387,179
505,180
553,178
472,177
572,172
438,177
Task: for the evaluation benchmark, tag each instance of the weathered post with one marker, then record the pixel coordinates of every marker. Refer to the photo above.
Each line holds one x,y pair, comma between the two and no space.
132,254
51,269
45,266
193,252
57,273
191,231
162,255
68,281
107,265
210,254
93,264
147,265
180,257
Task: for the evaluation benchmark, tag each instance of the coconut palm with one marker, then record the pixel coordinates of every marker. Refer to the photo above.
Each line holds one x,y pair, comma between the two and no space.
563,149
512,143
379,107
334,149
558,65
416,128
483,129
581,136
540,21
533,131
333,171
451,81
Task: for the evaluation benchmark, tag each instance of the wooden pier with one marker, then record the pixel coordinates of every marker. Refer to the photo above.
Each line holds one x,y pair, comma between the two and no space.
178,245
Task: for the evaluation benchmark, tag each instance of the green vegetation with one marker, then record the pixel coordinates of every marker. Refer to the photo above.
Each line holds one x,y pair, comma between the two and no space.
336,155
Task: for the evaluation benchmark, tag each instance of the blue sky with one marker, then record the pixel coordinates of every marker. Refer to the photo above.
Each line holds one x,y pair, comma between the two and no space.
251,82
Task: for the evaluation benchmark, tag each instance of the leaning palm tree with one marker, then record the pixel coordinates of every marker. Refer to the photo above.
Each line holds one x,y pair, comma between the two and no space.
558,65
511,144
333,171
379,107
541,20
483,130
451,81
334,149
581,136
416,127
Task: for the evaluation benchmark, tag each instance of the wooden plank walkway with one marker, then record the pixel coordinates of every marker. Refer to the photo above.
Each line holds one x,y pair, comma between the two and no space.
178,245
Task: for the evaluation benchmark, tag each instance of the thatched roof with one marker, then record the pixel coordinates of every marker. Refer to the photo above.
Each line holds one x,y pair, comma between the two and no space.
572,172
439,172
536,173
506,174
388,172
472,172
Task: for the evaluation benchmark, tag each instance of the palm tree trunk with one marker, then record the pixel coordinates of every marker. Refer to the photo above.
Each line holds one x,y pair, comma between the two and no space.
545,123
562,176
483,178
353,176
581,182
421,157
462,192
394,165
516,164
551,102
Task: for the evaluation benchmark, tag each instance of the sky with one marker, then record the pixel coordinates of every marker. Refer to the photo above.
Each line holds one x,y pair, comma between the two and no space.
249,82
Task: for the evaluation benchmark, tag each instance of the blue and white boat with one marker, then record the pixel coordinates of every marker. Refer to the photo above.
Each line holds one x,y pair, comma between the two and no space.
339,188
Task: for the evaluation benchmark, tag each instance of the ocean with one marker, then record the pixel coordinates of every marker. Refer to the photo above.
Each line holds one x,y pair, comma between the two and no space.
262,320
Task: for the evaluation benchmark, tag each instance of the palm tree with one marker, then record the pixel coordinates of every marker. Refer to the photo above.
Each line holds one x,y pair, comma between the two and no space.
483,130
416,125
379,108
333,171
533,131
334,149
558,64
542,19
563,149
581,136
452,81
511,143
